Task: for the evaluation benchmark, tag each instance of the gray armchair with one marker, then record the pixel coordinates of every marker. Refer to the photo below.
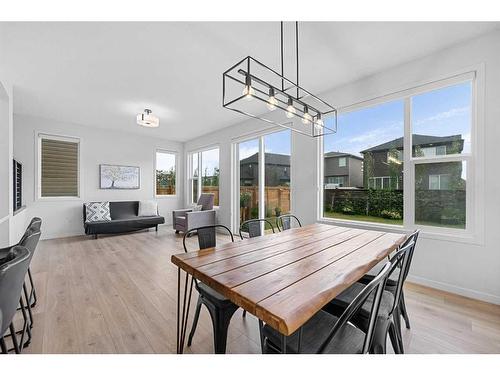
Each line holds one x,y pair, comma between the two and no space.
186,219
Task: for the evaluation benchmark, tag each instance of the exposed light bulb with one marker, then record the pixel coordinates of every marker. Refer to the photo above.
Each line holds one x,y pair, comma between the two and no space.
272,102
290,110
318,124
248,91
307,118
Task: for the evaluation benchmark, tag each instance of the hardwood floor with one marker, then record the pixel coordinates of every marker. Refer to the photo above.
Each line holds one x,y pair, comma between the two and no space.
118,294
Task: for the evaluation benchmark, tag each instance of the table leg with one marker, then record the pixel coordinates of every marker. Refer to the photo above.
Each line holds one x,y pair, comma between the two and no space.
183,320
283,344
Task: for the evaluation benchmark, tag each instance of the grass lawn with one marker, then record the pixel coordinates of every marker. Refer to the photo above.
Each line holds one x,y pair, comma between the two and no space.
372,219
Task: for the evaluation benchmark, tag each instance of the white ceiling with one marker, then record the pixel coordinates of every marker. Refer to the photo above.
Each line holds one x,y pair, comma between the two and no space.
103,74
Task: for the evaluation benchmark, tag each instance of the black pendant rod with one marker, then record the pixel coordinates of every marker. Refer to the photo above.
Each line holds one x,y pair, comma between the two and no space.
282,72
297,53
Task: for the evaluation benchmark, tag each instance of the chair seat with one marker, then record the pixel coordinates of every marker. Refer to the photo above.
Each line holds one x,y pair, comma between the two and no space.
340,303
212,295
349,340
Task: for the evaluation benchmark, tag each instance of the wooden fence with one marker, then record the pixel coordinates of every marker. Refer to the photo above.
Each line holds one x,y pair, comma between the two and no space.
275,197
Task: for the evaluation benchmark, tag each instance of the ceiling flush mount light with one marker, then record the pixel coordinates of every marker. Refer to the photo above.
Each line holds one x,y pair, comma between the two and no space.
255,90
147,119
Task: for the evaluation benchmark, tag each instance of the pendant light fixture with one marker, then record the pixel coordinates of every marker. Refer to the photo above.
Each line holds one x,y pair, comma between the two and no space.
147,119
255,90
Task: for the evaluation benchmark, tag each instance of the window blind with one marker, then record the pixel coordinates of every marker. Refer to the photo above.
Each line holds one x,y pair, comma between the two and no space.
59,168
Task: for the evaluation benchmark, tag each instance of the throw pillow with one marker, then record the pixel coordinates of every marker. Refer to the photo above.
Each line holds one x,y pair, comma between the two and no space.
97,211
197,207
148,208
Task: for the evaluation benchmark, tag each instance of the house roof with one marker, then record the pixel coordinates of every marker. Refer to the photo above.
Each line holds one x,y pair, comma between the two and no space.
277,159
417,140
336,154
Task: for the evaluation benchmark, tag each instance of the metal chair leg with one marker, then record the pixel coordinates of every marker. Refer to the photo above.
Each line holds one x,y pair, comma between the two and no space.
195,321
221,317
244,313
3,346
394,339
28,306
402,305
33,290
14,338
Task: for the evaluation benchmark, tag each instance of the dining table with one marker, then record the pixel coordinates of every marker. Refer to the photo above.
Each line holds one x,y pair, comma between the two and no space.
285,278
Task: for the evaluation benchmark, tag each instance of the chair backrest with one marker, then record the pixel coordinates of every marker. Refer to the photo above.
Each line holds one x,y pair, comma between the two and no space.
254,227
35,224
12,274
30,241
400,261
285,222
412,238
376,286
206,201
207,236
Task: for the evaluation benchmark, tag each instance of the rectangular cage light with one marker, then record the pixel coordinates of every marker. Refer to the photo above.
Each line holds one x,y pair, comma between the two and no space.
253,89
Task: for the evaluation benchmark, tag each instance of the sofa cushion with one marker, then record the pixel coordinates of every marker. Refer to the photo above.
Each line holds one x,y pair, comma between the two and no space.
97,211
148,208
124,209
123,225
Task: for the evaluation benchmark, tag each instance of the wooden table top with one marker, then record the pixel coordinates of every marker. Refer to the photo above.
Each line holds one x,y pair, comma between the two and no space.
285,278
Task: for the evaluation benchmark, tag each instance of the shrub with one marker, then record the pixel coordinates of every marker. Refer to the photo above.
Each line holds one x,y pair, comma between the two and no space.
254,213
394,215
245,199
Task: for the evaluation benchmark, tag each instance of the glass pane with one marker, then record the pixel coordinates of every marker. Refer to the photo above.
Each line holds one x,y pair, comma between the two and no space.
194,178
440,190
363,165
441,121
210,173
165,173
249,180
277,173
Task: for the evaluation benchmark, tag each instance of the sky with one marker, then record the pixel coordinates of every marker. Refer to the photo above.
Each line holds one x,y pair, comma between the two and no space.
276,143
441,112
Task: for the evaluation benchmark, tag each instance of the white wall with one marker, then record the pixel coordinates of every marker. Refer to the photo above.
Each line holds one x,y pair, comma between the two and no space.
464,268
64,217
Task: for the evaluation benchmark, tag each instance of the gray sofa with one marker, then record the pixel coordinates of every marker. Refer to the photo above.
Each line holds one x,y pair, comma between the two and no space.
186,219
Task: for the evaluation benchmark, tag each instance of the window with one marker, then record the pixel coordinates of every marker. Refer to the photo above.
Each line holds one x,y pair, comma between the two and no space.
58,166
336,181
18,185
438,129
165,173
206,178
373,190
264,176
342,162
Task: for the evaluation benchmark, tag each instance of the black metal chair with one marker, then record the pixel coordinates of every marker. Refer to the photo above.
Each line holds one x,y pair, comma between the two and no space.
392,281
325,333
254,227
13,269
221,309
388,316
29,241
284,222
35,224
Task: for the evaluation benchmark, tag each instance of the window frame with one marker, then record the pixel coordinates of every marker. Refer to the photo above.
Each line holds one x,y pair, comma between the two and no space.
176,155
199,154
344,159
474,231
38,179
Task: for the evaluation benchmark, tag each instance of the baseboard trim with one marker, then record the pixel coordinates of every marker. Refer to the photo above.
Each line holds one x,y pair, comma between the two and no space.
52,236
470,293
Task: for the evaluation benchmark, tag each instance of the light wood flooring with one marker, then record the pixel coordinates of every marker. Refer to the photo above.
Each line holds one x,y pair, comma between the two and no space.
118,294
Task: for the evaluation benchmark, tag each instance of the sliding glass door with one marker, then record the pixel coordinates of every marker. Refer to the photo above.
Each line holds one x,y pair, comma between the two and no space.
264,176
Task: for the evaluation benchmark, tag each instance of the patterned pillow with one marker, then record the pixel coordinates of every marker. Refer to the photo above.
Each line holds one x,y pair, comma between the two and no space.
97,211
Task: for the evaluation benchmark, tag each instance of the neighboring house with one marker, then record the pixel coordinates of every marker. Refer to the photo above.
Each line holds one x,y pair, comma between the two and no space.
383,164
277,170
342,170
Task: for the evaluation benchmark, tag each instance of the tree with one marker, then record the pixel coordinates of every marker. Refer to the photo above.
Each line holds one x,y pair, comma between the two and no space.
115,174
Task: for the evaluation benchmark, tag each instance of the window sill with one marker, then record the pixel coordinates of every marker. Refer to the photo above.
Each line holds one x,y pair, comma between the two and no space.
58,199
166,196
19,210
433,233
